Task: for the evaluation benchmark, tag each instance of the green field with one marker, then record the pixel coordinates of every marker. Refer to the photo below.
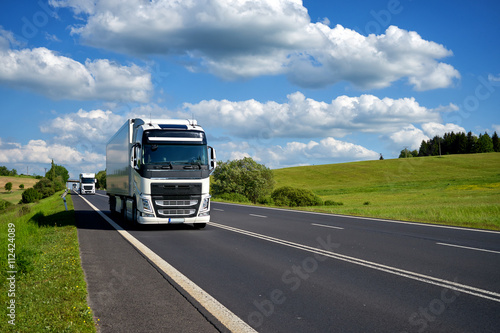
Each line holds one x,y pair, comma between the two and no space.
15,195
461,190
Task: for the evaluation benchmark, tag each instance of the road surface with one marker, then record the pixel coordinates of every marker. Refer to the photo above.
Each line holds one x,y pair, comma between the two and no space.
288,271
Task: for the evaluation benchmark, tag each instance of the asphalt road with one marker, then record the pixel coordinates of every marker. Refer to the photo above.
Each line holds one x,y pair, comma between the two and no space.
287,271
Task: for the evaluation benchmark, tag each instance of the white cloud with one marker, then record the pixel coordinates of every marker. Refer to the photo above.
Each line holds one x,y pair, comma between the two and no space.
241,39
58,77
88,129
41,152
409,136
303,117
294,153
433,129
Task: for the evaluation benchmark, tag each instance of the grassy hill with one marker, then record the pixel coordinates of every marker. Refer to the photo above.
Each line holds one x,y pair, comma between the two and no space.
16,193
461,190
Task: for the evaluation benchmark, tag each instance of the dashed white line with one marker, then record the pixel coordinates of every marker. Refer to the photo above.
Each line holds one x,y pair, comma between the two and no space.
327,226
255,215
486,294
468,248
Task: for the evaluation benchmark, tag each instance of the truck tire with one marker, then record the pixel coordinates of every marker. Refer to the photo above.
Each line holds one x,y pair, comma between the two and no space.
199,225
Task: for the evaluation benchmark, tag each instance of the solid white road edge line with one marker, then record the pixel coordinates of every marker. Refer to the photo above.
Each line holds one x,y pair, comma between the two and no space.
486,294
219,311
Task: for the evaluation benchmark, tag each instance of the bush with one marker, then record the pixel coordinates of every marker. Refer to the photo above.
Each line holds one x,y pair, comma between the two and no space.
245,176
233,197
267,200
294,197
4,204
8,186
30,195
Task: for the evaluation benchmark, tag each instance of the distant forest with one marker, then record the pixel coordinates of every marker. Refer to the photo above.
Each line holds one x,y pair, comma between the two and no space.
455,143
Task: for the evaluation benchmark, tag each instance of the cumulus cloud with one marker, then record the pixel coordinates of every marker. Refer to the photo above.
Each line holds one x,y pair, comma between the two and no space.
294,153
302,117
432,129
39,151
59,77
242,39
91,129
409,136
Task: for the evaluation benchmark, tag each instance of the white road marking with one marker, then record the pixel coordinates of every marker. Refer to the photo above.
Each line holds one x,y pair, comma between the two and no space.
369,218
255,215
219,311
326,226
486,294
468,248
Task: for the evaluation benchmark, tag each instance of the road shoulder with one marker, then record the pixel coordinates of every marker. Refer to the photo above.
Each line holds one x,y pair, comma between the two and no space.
126,293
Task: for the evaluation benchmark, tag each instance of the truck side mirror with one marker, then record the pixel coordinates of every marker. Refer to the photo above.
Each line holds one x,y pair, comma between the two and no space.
213,159
134,154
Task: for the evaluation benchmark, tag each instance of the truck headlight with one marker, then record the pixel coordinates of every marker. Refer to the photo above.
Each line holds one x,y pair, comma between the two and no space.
205,207
146,206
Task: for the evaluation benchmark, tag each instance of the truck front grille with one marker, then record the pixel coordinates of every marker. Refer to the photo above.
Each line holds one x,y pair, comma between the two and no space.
178,200
181,203
176,212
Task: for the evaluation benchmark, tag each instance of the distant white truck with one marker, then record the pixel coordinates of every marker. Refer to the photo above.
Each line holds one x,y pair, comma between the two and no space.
87,183
158,172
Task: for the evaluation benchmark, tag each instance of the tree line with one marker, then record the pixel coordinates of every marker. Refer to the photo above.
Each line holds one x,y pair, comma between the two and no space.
455,143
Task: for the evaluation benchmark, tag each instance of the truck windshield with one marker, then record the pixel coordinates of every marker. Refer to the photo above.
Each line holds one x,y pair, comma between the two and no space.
175,154
88,180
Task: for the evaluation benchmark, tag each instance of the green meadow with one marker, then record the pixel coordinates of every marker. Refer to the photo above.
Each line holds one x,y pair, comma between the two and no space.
459,190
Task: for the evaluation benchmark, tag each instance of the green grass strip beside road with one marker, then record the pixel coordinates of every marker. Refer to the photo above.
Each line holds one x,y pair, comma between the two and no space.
48,292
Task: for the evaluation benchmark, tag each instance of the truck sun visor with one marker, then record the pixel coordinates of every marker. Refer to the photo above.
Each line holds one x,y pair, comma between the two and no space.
174,136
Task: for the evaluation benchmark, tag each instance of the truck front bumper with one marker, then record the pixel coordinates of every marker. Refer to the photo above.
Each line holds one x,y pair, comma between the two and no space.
173,220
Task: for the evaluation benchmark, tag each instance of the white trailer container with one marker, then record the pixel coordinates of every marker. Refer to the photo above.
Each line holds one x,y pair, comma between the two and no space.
87,183
158,171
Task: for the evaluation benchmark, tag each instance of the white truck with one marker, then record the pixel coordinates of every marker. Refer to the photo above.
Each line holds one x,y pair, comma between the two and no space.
158,172
87,183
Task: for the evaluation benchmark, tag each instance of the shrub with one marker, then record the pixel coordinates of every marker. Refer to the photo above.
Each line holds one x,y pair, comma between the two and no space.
8,186
30,195
4,204
266,200
245,176
294,197
233,197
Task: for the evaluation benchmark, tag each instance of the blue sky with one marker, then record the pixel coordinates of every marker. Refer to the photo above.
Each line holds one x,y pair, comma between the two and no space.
286,82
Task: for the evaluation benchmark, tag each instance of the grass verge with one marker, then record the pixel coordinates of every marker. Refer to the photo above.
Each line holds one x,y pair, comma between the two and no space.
48,290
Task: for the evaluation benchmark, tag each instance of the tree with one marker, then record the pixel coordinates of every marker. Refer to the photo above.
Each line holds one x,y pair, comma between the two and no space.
57,170
8,186
101,179
245,176
485,144
496,142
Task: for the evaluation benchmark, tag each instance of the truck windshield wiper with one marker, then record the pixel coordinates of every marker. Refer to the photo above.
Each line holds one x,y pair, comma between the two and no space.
167,166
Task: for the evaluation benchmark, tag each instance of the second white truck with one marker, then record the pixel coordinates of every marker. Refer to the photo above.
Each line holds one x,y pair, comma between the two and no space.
157,171
87,183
